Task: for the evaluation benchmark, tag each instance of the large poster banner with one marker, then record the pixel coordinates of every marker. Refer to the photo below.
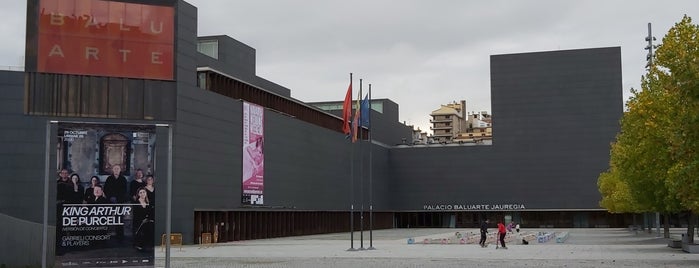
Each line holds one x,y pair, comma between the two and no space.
253,154
105,195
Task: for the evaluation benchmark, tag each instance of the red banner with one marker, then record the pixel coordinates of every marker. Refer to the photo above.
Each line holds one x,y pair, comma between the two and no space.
105,38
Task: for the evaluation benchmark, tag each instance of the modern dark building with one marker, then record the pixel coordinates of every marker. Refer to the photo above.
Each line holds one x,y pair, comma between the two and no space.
556,114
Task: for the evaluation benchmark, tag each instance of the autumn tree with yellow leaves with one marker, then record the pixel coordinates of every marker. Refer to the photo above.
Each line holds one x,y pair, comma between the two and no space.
654,162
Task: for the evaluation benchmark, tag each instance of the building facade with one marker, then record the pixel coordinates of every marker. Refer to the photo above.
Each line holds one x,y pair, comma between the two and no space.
312,174
452,123
448,121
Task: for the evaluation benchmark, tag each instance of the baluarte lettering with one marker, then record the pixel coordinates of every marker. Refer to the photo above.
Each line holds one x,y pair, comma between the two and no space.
109,39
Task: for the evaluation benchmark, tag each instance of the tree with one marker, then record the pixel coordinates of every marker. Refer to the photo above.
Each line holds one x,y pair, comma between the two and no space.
654,159
640,159
677,63
616,196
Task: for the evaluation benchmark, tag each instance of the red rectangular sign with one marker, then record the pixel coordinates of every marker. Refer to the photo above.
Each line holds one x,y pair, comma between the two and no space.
105,38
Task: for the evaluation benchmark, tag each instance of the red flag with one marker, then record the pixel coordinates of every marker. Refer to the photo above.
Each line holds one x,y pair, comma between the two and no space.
347,110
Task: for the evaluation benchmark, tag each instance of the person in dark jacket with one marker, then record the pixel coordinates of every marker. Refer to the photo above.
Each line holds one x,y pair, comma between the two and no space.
90,191
136,183
484,233
76,190
97,196
143,221
115,190
63,195
64,187
115,186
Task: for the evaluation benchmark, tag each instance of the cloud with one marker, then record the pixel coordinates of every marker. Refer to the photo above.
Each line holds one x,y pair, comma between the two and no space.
13,14
417,53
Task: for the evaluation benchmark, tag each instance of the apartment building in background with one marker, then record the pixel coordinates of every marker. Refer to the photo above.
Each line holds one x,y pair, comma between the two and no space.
452,123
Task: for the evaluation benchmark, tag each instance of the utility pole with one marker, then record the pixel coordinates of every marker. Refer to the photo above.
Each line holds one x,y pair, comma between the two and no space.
650,38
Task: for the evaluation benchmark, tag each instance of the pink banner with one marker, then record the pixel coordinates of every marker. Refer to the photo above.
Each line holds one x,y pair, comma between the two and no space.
253,154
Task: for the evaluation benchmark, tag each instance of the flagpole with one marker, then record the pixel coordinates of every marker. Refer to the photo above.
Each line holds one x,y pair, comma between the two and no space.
361,173
371,200
351,186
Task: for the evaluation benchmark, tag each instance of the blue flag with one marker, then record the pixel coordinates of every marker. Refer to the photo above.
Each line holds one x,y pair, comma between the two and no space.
365,114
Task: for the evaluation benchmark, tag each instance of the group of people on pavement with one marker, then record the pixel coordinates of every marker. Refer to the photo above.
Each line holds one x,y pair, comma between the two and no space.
502,231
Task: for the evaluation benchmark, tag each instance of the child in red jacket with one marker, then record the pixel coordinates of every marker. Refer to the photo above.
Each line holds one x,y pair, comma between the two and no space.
501,232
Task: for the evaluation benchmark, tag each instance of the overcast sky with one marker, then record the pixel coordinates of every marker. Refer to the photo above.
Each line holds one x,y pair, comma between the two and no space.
420,54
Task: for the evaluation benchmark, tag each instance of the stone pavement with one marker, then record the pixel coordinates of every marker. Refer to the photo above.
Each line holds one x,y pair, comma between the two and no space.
612,247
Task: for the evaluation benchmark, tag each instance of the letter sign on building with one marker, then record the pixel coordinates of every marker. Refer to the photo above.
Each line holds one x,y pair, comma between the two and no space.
106,38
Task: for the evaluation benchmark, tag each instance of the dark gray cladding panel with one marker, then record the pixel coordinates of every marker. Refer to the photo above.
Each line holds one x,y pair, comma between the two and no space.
186,44
22,154
306,167
310,167
234,58
554,116
237,59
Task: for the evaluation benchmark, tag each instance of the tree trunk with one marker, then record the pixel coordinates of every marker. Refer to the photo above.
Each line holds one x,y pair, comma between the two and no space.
690,227
666,225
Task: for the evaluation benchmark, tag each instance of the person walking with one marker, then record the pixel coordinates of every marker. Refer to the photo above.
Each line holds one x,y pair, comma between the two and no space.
484,232
502,232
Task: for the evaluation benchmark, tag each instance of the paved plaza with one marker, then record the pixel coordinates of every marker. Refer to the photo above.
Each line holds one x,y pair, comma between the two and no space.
612,247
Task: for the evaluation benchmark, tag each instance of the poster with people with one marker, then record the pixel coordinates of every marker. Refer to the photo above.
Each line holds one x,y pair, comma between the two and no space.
253,154
105,195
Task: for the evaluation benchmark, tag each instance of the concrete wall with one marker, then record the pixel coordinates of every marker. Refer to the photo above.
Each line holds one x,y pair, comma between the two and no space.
306,167
22,140
238,60
22,242
386,128
234,57
554,116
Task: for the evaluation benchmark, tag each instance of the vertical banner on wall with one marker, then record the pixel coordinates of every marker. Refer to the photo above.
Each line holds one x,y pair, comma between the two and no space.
105,195
253,154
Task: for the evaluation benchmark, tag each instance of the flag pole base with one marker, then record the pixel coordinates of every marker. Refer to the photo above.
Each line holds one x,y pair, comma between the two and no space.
371,248
351,249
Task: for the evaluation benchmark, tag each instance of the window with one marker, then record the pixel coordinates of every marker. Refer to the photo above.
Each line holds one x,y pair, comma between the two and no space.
114,149
201,80
376,106
208,47
329,106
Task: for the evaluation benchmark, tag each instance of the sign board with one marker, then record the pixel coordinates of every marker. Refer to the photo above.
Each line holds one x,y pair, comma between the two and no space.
106,38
